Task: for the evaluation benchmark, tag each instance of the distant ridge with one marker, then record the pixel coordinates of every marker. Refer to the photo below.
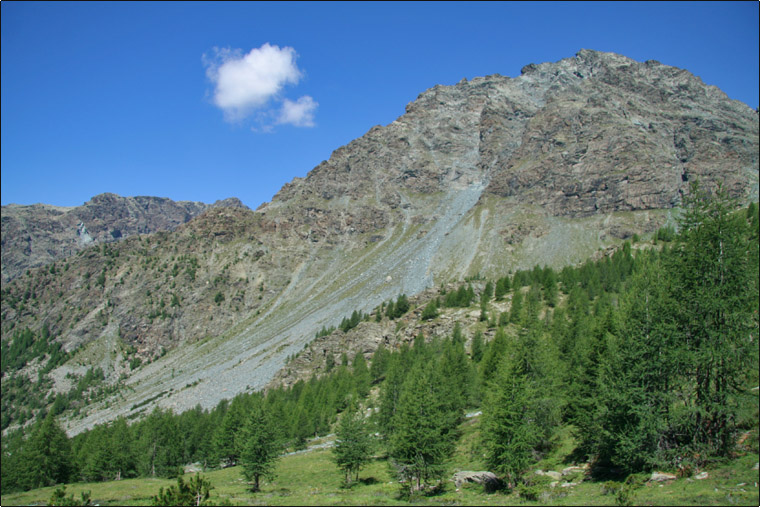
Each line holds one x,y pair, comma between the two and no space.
35,235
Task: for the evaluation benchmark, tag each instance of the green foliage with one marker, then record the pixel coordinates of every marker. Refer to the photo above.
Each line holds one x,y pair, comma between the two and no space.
260,445
194,492
667,233
430,311
325,331
503,286
101,280
225,448
423,425
361,375
59,498
398,309
461,298
353,444
515,310
43,460
379,363
476,347
509,431
348,324
670,387
158,446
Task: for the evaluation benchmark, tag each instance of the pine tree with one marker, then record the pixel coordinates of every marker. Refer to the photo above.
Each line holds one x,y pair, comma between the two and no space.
353,444
503,286
509,432
476,347
422,435
194,492
260,445
225,449
492,358
515,311
390,391
159,446
379,363
361,375
714,269
47,456
430,311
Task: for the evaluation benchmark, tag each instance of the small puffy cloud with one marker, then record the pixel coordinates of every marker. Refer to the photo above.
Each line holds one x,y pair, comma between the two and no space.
248,83
299,113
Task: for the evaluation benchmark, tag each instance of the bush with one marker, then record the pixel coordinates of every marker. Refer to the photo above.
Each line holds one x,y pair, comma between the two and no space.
59,498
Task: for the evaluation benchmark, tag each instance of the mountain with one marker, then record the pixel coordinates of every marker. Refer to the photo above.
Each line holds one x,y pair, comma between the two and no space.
480,178
39,234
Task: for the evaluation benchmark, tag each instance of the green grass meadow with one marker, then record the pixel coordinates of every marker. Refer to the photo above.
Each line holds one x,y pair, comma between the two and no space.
312,478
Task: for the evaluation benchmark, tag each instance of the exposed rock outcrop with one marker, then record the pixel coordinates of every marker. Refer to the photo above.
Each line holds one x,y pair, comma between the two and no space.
39,234
484,176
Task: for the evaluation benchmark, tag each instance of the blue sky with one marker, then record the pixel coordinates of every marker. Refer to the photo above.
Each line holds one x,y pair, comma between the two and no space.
202,101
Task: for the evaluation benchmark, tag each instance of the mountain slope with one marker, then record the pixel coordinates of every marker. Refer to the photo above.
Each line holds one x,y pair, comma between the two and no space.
485,176
39,234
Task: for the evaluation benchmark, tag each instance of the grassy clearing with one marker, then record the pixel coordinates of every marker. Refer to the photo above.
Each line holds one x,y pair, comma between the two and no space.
312,478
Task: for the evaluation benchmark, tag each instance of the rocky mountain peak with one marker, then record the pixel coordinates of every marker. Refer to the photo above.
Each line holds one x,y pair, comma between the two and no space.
39,234
482,177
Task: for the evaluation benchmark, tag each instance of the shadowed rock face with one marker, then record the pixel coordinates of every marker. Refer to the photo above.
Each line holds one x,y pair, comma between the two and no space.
482,177
39,234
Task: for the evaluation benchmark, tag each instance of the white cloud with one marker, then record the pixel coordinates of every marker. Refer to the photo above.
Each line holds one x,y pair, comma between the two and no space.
299,113
247,83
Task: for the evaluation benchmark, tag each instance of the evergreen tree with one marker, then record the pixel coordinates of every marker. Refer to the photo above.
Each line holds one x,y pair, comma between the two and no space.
194,492
260,445
430,311
509,432
59,498
159,446
458,376
487,292
353,443
390,310
515,311
120,445
225,450
390,390
476,347
503,286
47,456
714,269
492,358
550,287
423,431
379,363
361,375
402,305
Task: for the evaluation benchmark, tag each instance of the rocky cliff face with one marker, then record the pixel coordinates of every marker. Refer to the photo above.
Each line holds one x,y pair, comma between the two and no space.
613,134
483,177
39,234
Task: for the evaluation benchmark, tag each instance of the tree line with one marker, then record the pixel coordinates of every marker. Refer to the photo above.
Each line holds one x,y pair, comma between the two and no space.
646,355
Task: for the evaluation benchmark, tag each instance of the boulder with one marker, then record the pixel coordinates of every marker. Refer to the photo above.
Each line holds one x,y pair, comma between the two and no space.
573,469
661,477
488,479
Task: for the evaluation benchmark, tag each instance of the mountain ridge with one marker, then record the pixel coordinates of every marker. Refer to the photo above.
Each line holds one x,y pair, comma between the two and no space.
37,234
482,177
